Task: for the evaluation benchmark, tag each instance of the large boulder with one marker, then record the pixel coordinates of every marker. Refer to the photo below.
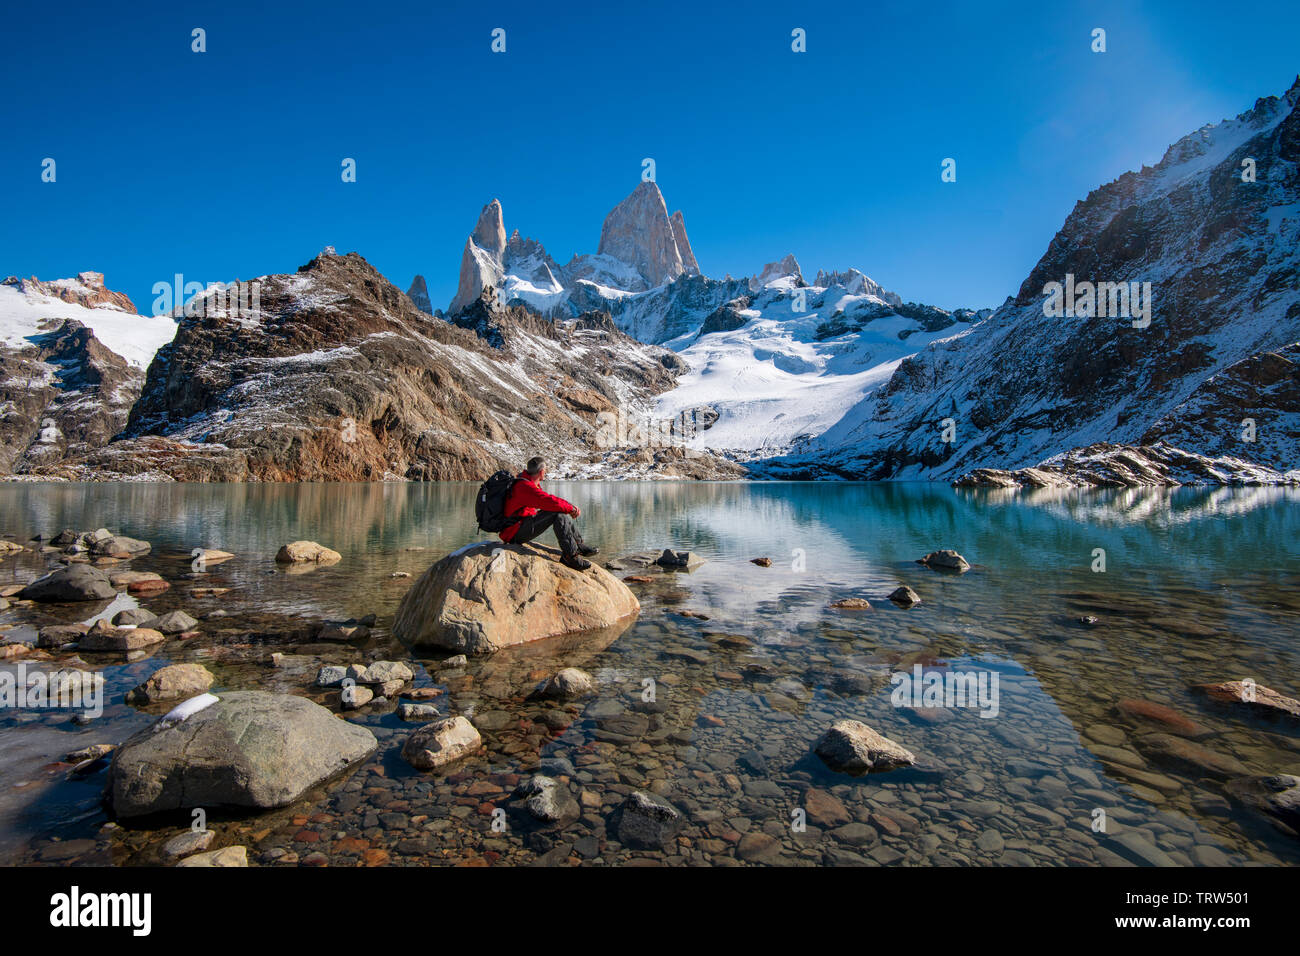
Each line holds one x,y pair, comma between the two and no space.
119,544
76,582
487,596
852,747
248,749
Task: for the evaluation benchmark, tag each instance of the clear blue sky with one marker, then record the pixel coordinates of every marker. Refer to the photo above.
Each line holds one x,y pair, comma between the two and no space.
227,164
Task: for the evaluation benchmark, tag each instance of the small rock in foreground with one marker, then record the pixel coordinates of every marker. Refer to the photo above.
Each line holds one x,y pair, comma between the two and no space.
905,597
548,801
186,844
853,747
108,638
679,559
306,552
227,856
945,560
441,742
175,622
135,617
247,749
567,684
648,822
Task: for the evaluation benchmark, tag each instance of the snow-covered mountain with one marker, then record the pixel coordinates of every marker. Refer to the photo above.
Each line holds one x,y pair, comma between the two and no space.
336,375
1214,370
783,362
27,305
1180,361
773,359
72,359
641,247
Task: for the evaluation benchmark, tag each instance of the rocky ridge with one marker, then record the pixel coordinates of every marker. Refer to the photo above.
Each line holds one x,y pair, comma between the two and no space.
1222,256
340,377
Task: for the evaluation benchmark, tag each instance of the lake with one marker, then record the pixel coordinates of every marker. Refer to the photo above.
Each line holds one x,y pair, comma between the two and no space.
717,711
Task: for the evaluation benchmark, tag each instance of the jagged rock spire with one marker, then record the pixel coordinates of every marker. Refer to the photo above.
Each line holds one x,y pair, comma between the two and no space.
638,231
418,293
480,263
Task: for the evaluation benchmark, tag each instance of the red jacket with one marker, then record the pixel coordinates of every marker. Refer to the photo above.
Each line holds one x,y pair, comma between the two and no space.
526,499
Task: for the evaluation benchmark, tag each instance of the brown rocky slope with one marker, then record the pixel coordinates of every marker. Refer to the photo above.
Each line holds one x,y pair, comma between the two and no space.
338,376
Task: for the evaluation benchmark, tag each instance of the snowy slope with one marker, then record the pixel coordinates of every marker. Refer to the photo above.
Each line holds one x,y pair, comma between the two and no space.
134,337
779,377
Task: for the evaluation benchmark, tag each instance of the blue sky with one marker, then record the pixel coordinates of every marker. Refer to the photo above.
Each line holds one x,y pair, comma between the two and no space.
227,164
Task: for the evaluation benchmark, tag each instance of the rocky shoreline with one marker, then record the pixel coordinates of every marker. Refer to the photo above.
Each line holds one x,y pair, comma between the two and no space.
658,779
1107,465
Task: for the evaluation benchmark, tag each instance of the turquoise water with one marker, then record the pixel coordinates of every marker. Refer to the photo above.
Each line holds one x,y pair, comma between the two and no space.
1198,585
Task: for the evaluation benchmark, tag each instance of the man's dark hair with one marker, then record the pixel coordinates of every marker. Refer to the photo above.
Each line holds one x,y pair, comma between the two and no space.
535,465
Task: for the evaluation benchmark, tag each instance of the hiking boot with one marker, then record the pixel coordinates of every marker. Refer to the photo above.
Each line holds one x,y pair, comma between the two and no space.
587,551
575,562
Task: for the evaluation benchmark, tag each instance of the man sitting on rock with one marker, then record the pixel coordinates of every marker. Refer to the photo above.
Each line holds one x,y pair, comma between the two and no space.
538,511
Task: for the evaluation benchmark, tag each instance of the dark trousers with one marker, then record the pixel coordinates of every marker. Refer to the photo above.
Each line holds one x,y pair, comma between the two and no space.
566,532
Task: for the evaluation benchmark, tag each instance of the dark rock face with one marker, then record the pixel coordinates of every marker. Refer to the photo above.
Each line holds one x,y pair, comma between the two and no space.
1222,257
664,313
339,376
726,317
418,293
1263,390
66,395
931,318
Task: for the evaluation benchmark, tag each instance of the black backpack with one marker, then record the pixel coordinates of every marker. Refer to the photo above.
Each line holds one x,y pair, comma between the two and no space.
490,505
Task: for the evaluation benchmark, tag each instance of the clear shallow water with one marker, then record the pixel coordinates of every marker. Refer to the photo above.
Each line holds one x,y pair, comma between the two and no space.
1199,585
